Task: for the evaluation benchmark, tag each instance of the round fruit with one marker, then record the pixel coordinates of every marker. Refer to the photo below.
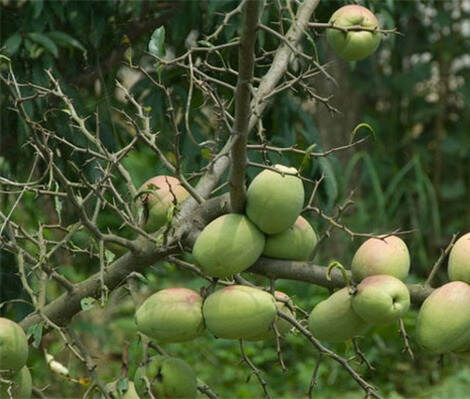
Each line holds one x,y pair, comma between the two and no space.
353,45
381,256
381,299
228,245
130,393
443,323
20,386
171,315
459,260
295,243
239,311
334,320
274,201
13,346
169,378
166,191
283,326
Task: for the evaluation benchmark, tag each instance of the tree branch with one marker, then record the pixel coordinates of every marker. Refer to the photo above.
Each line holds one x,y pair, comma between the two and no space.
309,272
246,63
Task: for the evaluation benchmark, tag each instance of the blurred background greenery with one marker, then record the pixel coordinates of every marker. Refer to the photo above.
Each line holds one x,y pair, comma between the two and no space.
415,175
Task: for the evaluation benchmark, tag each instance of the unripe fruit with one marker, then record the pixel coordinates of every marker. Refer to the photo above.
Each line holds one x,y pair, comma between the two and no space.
283,326
381,256
459,260
274,201
20,386
228,245
239,311
443,323
295,243
130,393
171,315
13,346
381,299
353,45
334,320
169,378
166,191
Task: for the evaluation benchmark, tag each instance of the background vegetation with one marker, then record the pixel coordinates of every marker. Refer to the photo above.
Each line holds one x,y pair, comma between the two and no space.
413,92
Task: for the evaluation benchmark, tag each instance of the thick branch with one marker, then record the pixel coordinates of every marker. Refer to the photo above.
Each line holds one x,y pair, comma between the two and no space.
61,310
246,63
311,273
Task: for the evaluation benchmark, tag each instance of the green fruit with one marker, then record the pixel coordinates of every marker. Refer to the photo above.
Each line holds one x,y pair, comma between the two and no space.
130,393
295,243
274,201
334,320
283,326
381,299
381,256
171,315
169,378
459,260
353,45
443,323
13,346
239,311
19,387
228,245
166,191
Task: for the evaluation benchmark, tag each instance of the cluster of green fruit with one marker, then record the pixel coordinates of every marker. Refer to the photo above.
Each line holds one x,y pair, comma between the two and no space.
229,245
232,243
380,296
180,314
15,378
443,323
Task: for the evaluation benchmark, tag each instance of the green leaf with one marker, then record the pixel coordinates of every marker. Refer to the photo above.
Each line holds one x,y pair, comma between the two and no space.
65,40
122,385
306,159
358,127
38,6
13,43
206,153
109,255
45,42
35,331
157,42
87,303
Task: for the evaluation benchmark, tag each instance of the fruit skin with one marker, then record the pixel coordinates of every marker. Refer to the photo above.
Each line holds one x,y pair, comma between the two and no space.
295,243
381,256
239,311
21,388
459,260
334,320
274,201
283,326
171,315
131,393
443,323
170,378
353,45
13,346
159,202
228,245
381,299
